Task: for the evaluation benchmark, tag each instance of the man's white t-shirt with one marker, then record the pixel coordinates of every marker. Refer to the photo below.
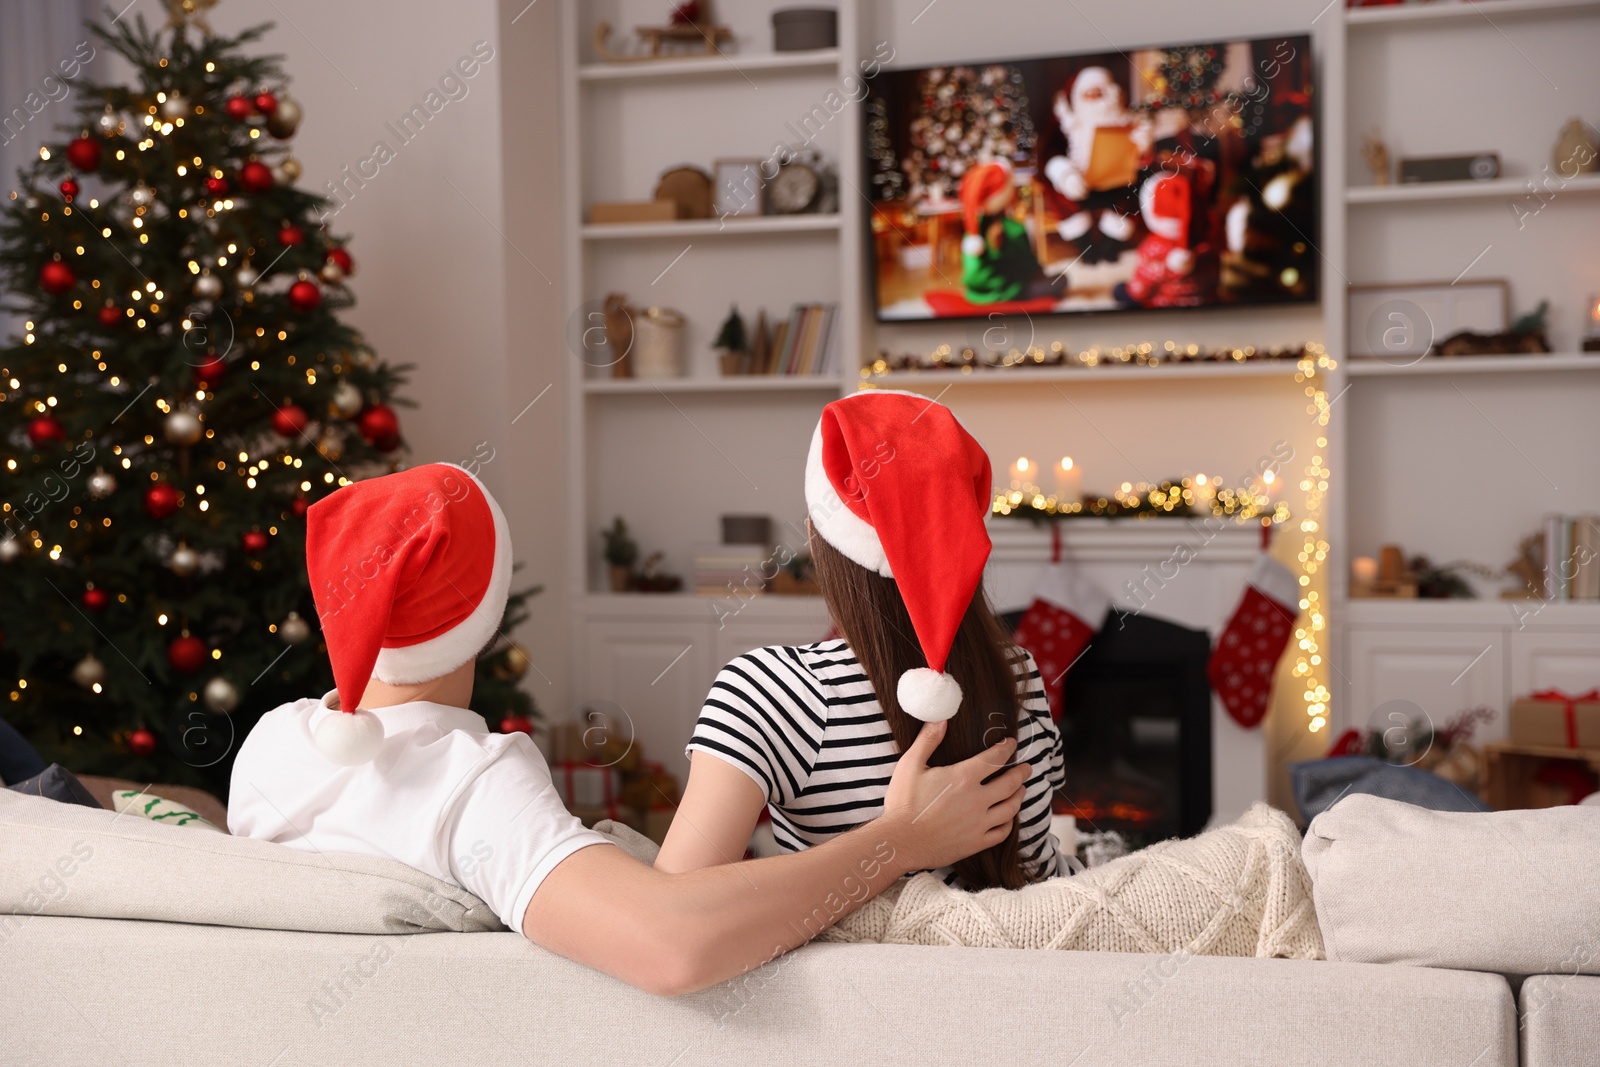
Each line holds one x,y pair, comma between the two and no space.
443,795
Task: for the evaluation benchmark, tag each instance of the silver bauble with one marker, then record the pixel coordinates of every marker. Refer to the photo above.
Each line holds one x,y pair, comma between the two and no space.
31,203
330,446
347,400
281,177
285,118
89,672
174,106
247,276
141,195
10,549
294,630
331,274
184,561
182,428
220,695
208,286
101,485
108,123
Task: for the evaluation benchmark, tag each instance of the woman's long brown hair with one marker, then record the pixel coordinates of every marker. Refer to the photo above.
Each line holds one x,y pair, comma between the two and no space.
869,612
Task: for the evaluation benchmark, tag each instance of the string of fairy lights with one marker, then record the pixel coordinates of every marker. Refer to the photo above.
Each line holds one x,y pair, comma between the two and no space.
1312,371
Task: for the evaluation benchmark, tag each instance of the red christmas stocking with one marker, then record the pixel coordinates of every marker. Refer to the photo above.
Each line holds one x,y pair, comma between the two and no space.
1067,611
1248,648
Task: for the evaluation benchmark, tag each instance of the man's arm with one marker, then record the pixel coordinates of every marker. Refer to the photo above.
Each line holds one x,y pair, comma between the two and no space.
674,933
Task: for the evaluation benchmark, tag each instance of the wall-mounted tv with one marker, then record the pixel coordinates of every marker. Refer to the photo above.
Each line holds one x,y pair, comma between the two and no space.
1174,177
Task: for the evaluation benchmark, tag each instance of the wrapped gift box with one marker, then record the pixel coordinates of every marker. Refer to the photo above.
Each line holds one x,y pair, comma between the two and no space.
1557,719
583,785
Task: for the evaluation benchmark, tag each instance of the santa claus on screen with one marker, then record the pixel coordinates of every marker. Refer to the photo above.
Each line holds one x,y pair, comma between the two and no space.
1092,164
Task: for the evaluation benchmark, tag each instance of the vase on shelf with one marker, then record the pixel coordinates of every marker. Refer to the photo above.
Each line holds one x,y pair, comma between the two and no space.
658,343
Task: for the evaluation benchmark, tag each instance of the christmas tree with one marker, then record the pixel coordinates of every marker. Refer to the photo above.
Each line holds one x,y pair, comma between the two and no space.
964,115
183,390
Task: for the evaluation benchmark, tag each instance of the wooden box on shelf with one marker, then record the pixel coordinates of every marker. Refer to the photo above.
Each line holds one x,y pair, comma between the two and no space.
1511,773
633,211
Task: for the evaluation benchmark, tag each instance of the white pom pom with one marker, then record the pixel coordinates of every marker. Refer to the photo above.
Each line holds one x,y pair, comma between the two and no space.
349,738
971,245
928,695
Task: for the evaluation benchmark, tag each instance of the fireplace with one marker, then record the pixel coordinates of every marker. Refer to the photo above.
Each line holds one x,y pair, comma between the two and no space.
1136,730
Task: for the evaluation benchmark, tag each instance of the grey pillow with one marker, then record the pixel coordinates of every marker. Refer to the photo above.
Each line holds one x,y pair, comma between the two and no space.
1507,891
55,782
1319,784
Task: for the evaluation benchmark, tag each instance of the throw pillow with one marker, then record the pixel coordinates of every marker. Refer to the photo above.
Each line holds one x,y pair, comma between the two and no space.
1239,890
1320,783
57,783
157,809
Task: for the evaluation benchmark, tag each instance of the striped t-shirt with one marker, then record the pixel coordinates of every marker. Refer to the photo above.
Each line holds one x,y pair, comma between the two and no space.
804,723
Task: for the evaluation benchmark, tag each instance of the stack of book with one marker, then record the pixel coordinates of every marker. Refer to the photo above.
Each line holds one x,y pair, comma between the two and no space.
1572,557
807,344
716,567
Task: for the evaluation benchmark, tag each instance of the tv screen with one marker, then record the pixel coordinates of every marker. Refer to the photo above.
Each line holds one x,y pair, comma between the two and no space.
1171,177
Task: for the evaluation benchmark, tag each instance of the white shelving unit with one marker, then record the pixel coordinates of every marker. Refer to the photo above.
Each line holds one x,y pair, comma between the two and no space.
1401,434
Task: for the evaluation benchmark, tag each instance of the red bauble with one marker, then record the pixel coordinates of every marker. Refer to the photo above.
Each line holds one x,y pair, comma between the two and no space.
84,153
516,724
341,259
46,428
96,599
161,500
290,420
186,654
69,189
109,315
380,426
55,277
266,103
299,506
217,186
254,541
255,177
141,742
291,236
304,296
210,370
239,108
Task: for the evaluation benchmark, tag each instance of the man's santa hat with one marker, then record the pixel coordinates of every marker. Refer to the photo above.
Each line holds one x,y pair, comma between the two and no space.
985,190
410,573
898,486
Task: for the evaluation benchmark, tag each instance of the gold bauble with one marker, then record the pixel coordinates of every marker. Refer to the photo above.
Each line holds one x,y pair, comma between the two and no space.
510,664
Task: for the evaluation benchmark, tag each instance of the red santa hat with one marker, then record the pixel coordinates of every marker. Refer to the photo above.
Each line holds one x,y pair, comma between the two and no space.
410,574
898,486
981,184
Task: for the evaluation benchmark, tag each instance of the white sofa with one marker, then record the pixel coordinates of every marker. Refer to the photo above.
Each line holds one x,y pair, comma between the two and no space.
96,968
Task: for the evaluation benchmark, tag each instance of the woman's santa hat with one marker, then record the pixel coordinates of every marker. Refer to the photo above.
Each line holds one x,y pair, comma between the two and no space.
410,573
985,190
898,486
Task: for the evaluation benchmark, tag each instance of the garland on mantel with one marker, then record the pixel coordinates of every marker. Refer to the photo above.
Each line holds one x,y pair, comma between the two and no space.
1186,498
968,360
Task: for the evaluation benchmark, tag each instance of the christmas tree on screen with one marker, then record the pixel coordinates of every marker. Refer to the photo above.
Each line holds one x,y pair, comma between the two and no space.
181,392
963,116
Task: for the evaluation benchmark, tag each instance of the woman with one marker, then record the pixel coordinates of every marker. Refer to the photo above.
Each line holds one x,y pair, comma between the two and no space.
897,492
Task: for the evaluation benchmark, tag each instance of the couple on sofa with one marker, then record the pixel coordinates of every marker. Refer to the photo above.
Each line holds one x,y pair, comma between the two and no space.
920,741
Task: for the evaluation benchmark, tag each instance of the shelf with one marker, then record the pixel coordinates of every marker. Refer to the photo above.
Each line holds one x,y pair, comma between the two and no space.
1489,11
730,64
747,383
764,225
633,607
1260,368
1497,188
1528,364
1432,614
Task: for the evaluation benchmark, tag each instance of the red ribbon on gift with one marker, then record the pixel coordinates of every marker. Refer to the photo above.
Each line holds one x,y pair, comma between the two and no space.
1570,705
608,778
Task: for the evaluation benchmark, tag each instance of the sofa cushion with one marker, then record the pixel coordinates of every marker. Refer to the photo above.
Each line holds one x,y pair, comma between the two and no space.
158,809
1560,1020
494,999
55,782
1507,891
66,860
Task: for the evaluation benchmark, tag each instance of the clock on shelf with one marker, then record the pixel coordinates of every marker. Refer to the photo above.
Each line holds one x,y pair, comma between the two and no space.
803,185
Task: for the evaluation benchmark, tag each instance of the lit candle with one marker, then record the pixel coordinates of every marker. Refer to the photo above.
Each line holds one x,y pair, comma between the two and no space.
1069,481
1021,472
1591,335
1363,572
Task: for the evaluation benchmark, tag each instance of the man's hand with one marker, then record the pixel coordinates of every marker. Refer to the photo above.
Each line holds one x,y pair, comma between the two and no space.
938,815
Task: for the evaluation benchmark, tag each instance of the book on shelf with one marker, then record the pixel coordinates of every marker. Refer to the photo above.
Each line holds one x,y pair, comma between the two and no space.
1572,557
717,566
806,344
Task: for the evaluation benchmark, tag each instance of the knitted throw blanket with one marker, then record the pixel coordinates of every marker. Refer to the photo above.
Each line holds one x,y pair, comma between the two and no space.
1239,890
